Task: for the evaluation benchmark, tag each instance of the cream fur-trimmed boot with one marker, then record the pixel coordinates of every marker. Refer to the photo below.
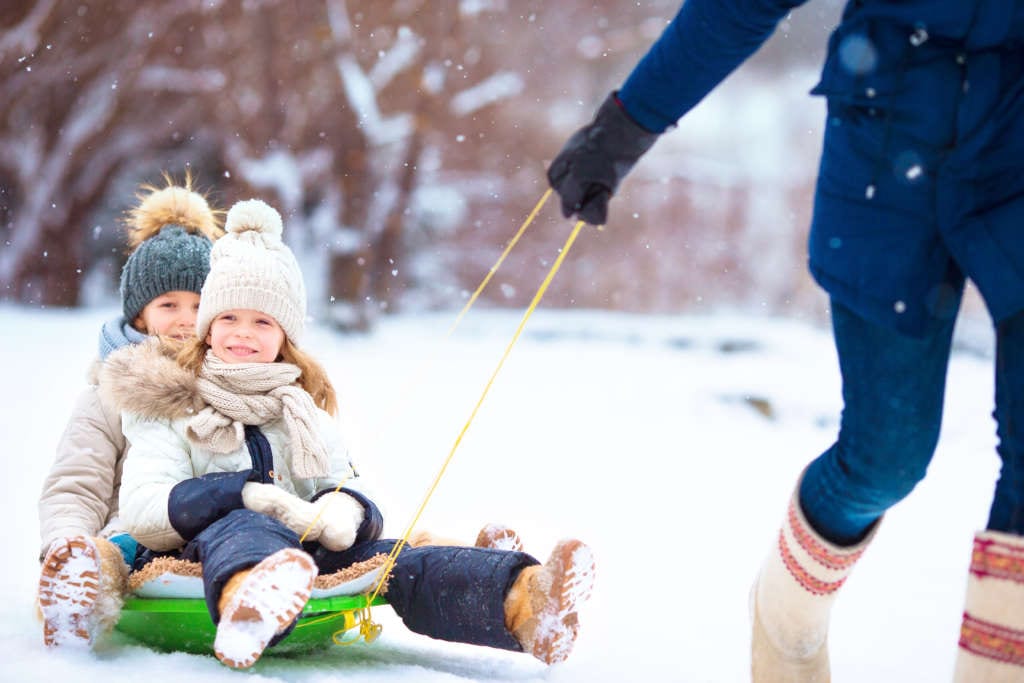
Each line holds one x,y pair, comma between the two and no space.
258,603
792,599
540,608
82,584
992,632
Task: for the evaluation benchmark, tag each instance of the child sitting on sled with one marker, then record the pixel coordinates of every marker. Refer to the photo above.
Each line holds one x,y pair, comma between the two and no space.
242,456
85,550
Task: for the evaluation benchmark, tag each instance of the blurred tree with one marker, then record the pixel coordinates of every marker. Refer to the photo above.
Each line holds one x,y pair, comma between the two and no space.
324,111
402,141
72,81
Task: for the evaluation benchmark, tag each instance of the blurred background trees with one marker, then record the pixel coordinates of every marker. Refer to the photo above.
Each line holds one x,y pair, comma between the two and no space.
403,142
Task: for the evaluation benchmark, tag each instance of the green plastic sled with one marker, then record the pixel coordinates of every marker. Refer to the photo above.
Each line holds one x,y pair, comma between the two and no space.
184,624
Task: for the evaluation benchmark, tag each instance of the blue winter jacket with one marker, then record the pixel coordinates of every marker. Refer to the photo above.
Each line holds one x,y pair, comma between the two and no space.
922,170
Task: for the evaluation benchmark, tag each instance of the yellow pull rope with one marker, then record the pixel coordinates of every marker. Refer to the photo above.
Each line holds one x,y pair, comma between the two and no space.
408,389
389,564
501,259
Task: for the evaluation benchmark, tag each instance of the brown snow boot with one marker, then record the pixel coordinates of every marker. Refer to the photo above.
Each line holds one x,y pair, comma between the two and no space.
499,537
540,608
82,584
258,603
494,536
992,632
792,599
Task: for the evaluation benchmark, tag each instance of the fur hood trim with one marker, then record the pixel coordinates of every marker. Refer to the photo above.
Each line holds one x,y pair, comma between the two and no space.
146,380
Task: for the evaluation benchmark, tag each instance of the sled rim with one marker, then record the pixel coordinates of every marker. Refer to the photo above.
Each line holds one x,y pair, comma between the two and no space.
184,624
337,603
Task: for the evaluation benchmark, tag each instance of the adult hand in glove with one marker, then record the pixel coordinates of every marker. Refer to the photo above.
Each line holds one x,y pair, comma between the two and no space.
587,171
333,519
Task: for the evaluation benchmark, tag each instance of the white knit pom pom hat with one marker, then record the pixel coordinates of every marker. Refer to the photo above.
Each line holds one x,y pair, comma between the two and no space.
251,268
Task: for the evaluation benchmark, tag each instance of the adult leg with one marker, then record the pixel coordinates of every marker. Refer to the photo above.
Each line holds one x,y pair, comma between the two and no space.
893,392
992,633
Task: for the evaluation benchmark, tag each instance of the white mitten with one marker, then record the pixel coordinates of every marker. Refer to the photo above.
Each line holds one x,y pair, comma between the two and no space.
287,508
342,515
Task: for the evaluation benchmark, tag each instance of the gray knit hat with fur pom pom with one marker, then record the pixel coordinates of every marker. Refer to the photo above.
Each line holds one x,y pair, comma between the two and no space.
171,232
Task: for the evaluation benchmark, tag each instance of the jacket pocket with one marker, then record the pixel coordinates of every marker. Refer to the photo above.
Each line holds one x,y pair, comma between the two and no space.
865,68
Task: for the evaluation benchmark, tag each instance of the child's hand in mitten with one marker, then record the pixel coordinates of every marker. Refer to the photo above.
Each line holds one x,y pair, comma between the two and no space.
340,520
287,508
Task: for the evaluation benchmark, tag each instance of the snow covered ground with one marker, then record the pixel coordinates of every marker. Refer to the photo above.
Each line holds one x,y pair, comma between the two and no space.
640,435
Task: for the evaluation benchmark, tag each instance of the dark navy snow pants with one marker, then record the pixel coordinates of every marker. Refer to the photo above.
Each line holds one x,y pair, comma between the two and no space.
893,388
445,592
449,593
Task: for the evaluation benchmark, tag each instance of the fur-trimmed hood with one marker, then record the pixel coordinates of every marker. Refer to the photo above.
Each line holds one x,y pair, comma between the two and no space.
146,380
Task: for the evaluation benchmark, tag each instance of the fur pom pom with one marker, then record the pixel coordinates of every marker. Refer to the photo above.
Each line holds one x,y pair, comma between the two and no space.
171,205
255,215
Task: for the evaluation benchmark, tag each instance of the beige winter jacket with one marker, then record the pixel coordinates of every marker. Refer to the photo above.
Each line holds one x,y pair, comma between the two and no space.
80,493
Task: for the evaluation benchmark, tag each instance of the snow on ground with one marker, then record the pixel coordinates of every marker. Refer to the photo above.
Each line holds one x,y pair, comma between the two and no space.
640,435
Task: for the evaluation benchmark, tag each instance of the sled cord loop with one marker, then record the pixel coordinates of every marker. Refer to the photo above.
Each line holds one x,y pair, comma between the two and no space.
369,630
393,555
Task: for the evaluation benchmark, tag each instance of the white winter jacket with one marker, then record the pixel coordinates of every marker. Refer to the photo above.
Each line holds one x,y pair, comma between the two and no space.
161,456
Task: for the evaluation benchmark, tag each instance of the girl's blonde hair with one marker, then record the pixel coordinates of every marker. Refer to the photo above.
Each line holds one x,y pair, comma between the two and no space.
313,379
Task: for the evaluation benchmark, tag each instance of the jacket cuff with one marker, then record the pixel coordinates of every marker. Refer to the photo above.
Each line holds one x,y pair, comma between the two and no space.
373,521
196,503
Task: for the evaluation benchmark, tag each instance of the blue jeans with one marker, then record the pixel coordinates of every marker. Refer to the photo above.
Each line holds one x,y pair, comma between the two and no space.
893,388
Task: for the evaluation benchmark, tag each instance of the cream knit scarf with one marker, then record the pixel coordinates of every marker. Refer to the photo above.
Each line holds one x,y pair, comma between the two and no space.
240,394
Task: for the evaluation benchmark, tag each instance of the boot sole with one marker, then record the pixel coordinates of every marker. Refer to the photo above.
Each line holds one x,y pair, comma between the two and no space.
266,603
499,537
571,567
68,590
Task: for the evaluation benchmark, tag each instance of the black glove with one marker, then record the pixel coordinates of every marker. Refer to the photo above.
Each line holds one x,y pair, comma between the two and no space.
587,171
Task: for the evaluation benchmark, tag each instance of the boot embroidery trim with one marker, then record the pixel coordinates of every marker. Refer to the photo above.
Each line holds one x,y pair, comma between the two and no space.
808,581
820,553
992,641
997,560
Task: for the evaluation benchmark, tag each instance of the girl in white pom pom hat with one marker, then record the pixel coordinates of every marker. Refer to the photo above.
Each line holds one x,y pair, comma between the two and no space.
252,457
